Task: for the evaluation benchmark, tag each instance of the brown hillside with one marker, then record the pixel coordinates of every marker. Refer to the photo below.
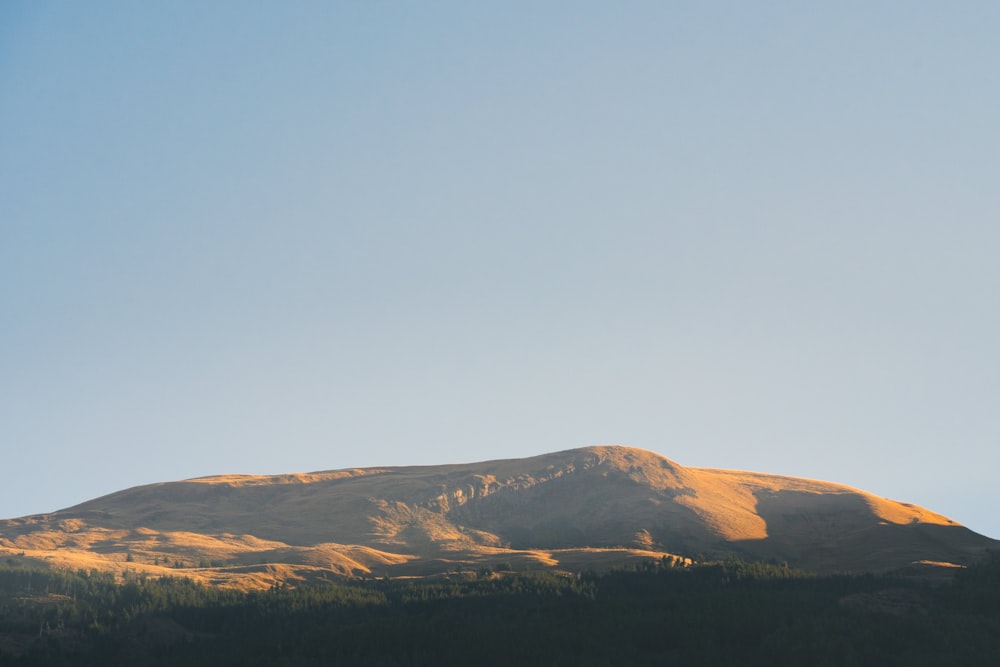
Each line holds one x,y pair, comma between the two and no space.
590,507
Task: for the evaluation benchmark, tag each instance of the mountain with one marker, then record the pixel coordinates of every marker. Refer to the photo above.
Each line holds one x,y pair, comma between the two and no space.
584,508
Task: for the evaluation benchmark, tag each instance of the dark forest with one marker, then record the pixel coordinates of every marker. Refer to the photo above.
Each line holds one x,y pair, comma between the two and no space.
715,614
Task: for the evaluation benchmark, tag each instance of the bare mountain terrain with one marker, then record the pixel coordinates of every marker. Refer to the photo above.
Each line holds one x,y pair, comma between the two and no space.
585,508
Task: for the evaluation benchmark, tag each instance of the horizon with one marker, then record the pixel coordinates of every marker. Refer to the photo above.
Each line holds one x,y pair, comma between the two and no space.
259,240
223,476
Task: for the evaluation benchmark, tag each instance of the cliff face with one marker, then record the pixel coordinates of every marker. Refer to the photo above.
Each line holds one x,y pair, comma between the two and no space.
589,507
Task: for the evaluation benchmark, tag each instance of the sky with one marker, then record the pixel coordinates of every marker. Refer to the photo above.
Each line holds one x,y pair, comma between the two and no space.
263,237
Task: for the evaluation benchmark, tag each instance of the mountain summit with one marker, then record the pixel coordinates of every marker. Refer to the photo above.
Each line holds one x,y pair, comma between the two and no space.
578,509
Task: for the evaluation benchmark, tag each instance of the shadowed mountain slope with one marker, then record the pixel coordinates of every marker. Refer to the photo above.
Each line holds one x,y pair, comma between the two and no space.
582,508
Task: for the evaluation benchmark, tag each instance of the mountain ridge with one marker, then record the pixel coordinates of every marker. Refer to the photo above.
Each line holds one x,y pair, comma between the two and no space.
594,506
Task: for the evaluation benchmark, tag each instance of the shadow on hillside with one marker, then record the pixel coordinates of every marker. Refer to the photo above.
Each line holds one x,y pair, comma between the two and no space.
841,533
574,511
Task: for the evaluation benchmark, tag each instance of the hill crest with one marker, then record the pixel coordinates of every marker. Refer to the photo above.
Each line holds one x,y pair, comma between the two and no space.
575,509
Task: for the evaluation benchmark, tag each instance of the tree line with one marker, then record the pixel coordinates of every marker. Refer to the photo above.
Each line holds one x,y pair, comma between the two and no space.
724,613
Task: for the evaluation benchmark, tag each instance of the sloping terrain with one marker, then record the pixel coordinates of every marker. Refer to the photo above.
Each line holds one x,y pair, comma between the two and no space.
583,508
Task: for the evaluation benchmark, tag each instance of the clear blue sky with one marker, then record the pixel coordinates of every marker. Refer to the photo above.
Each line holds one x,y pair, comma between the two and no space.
267,237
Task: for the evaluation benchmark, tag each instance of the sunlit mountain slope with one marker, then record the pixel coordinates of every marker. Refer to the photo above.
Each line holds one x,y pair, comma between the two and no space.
585,508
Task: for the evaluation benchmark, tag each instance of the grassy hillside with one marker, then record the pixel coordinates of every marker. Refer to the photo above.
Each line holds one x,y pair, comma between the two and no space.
585,508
